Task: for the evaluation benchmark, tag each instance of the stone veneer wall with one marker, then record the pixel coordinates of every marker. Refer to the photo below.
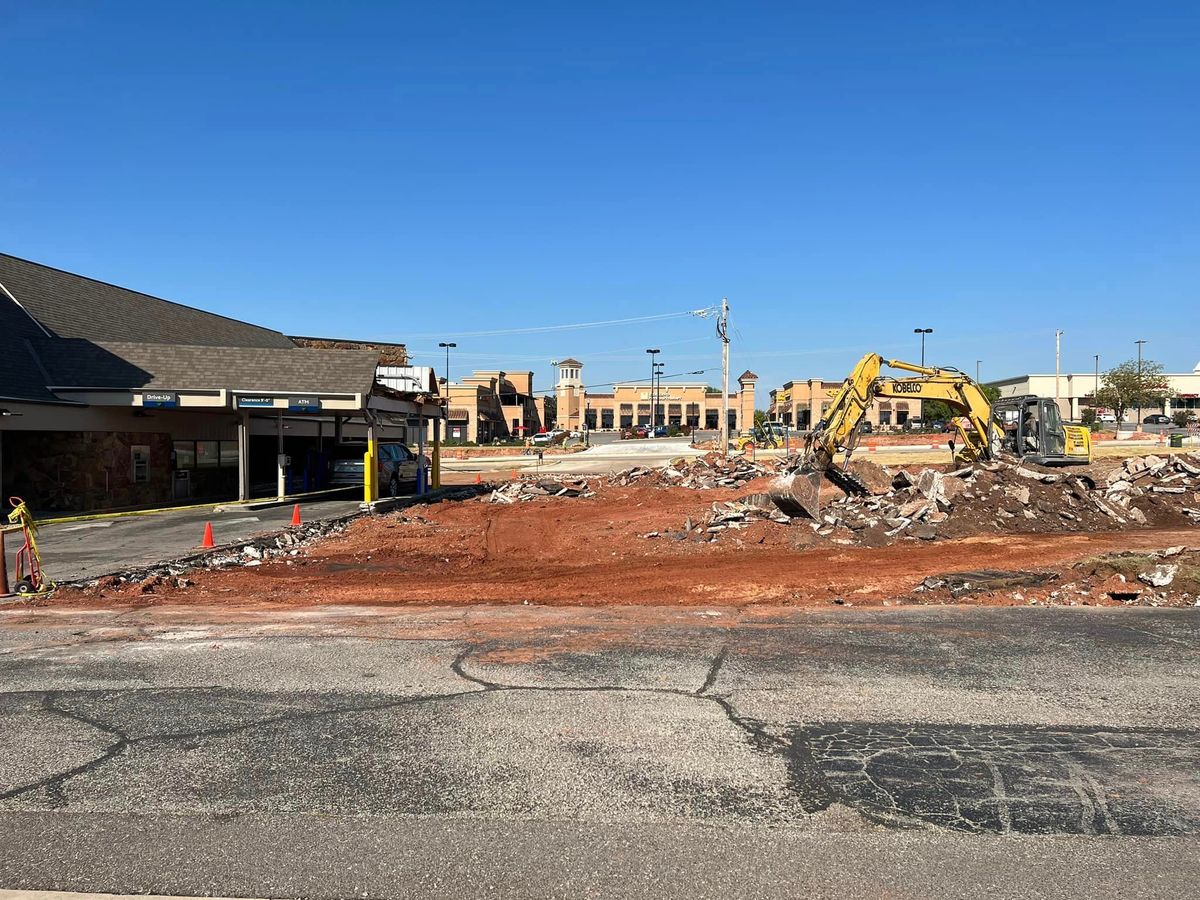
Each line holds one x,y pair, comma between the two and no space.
84,470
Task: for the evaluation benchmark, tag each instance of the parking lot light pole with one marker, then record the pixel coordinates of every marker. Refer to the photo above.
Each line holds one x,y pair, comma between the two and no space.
446,346
1139,383
922,332
653,355
658,374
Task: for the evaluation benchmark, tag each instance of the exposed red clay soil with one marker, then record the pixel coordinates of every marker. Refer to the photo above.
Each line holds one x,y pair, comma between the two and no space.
592,551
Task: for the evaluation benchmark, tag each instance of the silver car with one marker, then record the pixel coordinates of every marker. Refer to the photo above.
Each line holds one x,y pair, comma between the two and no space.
397,469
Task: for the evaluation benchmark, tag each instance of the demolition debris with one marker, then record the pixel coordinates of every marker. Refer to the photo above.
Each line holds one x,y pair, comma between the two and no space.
993,496
703,473
546,486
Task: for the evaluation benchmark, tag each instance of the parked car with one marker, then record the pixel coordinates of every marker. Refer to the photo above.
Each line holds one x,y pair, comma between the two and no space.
542,439
661,431
866,427
1157,419
1107,418
397,467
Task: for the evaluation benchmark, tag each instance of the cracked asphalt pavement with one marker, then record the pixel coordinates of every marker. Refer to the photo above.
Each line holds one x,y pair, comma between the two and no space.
525,751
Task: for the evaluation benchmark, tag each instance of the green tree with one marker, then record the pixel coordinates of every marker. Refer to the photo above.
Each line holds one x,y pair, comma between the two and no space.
760,416
938,411
1124,387
1087,416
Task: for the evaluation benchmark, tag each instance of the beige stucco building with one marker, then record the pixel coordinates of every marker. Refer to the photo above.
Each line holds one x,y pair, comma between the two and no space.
801,404
693,404
494,405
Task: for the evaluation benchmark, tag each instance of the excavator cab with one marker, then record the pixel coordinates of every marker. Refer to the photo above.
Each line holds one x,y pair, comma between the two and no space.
1034,430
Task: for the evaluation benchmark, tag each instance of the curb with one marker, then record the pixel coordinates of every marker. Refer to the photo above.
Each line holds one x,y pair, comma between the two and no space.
448,492
235,505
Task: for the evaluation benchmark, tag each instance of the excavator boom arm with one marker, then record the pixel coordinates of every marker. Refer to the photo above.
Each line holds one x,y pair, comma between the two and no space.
839,427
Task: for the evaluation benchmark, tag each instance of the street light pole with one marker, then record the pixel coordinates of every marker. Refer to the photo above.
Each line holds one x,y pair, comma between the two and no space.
653,368
1058,333
977,362
658,393
1139,383
922,332
1096,389
446,345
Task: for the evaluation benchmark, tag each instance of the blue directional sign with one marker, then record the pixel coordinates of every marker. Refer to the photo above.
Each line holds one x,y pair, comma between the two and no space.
160,399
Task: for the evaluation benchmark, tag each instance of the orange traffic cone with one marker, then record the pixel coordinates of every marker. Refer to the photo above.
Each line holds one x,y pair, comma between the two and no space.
296,514
514,474
208,540
478,478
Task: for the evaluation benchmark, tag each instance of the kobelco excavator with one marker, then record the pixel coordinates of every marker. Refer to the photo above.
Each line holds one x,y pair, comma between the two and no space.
1027,427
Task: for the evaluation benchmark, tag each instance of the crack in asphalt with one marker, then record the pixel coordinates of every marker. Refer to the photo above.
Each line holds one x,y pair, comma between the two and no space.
994,779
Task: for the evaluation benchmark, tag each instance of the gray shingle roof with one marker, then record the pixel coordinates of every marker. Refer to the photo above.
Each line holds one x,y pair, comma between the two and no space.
125,365
72,306
103,336
20,376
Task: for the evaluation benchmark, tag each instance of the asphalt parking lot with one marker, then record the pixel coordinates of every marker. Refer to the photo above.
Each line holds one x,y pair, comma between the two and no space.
95,547
526,751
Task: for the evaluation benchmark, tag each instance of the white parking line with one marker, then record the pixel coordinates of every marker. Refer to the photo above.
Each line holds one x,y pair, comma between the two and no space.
234,521
103,523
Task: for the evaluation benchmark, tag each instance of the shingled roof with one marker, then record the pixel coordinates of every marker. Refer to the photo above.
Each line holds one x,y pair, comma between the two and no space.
64,331
123,365
73,306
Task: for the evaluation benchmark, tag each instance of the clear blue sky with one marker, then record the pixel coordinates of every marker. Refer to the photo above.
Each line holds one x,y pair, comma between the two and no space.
844,172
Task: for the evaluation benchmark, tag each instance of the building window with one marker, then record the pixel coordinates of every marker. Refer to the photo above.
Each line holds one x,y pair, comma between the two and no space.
185,454
606,418
205,454
208,454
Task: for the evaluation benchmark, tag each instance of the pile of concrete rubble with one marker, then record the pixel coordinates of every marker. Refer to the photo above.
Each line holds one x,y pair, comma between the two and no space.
993,496
525,490
1166,577
701,473
245,554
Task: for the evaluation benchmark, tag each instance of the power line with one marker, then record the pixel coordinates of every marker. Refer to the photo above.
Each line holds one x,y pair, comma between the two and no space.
543,329
640,380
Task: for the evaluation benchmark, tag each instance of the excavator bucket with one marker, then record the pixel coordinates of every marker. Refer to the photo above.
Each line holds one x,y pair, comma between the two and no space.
798,493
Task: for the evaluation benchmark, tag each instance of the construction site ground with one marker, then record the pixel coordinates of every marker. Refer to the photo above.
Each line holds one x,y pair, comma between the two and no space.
644,543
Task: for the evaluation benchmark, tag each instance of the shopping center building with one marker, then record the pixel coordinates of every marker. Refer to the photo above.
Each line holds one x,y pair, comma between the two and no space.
111,398
672,403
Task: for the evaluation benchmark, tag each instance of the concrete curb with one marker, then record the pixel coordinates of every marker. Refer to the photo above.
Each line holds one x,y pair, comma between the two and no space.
67,895
282,501
448,492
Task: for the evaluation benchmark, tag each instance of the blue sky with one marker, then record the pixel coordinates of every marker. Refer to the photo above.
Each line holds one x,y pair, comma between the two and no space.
843,172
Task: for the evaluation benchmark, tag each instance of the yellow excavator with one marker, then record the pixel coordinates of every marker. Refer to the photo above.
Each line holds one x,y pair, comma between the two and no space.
1028,427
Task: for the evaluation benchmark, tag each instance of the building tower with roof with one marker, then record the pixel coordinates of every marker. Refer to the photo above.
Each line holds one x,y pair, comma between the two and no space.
570,395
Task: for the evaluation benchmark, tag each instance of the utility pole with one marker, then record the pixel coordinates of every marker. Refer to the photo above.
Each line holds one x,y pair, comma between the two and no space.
723,334
1058,333
1096,389
1139,383
977,362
